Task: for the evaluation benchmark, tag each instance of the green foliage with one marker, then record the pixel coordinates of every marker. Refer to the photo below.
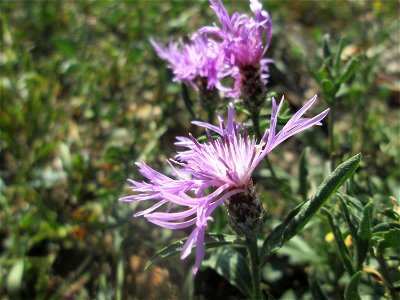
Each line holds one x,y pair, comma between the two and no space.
83,96
301,215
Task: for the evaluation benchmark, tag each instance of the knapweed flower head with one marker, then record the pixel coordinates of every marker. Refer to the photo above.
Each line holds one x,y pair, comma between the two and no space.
245,39
206,174
196,62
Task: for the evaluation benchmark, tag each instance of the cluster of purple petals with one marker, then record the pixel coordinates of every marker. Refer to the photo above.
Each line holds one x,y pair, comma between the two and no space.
223,165
240,41
245,39
199,58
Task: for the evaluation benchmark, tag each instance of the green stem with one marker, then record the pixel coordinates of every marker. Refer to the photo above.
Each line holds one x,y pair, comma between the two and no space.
254,266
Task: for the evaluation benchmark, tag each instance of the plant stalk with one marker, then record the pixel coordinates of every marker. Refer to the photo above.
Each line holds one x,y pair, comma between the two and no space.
254,266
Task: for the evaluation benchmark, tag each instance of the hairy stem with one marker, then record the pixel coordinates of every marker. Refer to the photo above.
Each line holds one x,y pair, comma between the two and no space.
254,266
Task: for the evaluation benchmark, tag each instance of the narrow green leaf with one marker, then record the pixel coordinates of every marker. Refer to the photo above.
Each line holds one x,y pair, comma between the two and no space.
354,207
243,110
336,62
303,173
364,236
14,279
349,220
324,192
343,251
329,87
211,240
301,215
385,227
351,291
390,239
232,265
315,75
348,71
326,49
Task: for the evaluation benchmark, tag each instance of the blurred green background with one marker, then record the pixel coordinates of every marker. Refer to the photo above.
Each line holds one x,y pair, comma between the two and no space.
84,96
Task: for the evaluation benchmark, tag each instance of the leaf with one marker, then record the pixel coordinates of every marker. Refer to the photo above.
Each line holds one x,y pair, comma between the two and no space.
343,251
385,227
349,220
351,292
300,215
390,239
300,252
329,87
232,265
364,236
14,279
243,110
354,207
326,50
211,240
336,62
315,75
303,173
348,71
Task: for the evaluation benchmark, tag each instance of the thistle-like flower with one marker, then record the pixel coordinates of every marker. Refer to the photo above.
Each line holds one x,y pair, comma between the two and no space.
197,62
244,40
211,173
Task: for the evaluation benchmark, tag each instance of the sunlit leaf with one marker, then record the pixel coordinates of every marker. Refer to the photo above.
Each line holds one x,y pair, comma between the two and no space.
300,216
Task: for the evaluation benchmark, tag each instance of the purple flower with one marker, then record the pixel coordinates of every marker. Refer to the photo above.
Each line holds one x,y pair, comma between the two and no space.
223,165
242,36
197,60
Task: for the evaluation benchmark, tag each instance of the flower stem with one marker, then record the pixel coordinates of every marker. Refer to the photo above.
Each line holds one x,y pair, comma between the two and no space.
254,266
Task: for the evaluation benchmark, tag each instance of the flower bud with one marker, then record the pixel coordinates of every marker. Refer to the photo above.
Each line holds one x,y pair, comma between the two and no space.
245,212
